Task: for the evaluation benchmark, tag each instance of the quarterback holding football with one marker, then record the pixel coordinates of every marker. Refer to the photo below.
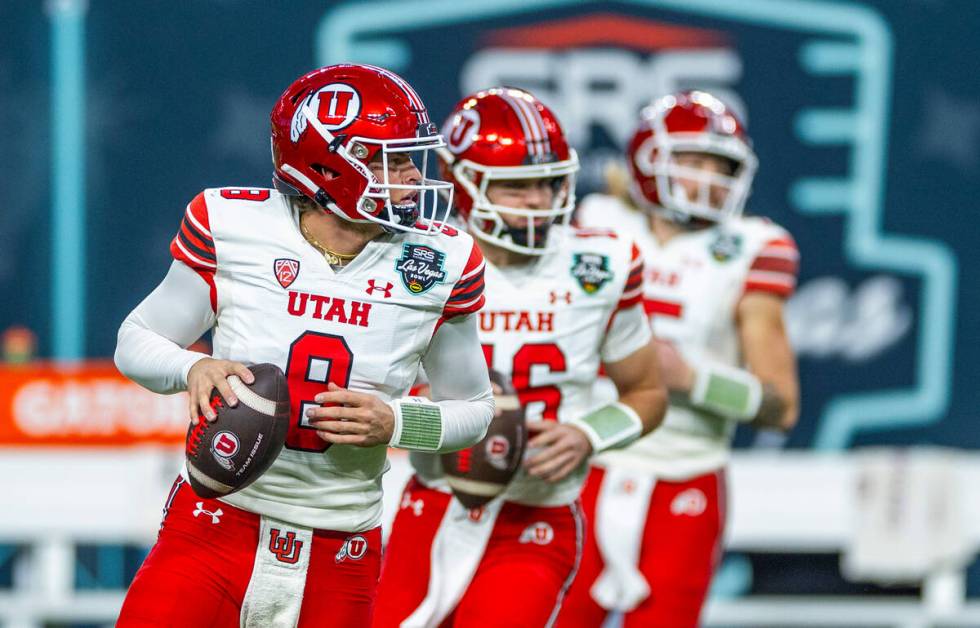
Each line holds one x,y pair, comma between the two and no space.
345,278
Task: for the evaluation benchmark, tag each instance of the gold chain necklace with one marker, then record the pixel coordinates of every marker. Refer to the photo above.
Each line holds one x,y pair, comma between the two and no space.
333,258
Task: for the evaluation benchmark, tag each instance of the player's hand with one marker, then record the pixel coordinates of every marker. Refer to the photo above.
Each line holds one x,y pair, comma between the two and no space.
677,374
562,449
207,374
357,418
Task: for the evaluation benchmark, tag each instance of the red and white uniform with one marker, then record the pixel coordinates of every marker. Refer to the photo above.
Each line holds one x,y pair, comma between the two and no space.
269,296
658,504
547,325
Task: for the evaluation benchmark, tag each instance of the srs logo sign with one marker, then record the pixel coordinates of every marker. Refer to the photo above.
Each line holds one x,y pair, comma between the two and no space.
815,76
598,71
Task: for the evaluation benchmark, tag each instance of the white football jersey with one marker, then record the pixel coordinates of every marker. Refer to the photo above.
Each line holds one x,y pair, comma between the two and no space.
364,327
548,325
692,288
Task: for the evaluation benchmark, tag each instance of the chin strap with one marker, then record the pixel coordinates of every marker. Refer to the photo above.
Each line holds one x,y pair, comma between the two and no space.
404,215
519,236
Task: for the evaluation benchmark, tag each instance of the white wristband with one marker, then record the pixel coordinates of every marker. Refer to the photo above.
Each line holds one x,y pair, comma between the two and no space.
611,426
418,424
731,392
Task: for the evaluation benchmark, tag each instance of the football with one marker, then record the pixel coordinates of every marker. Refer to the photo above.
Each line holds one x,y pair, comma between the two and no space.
229,453
478,474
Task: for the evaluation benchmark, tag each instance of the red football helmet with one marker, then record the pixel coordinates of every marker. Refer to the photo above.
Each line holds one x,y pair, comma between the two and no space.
331,123
507,133
689,122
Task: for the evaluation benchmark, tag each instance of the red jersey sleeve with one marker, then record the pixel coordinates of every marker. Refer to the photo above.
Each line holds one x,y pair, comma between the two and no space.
193,245
633,288
467,295
775,268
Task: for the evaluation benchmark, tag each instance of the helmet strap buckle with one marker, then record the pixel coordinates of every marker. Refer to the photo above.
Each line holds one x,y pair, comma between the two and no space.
336,142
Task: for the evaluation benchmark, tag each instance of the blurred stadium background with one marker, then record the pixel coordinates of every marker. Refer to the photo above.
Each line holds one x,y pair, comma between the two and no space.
866,119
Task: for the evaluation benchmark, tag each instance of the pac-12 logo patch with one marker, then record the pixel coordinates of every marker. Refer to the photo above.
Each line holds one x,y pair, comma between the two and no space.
591,270
286,271
421,267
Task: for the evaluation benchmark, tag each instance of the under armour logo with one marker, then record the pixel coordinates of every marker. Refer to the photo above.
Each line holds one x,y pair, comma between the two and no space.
354,548
415,504
475,514
285,547
373,285
555,297
215,516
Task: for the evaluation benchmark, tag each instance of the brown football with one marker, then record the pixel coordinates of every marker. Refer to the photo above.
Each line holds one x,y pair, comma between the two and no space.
229,453
483,471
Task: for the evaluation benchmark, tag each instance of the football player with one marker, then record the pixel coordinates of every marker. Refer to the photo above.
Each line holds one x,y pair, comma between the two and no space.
716,284
559,302
343,276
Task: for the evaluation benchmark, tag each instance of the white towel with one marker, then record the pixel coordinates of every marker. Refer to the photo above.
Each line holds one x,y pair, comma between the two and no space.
909,516
621,514
275,591
456,552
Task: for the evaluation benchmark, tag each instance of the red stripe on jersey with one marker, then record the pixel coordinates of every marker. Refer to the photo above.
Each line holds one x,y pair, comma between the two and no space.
586,232
194,246
779,289
198,209
633,288
475,261
634,279
787,242
775,265
664,308
779,248
635,256
467,295
630,302
775,268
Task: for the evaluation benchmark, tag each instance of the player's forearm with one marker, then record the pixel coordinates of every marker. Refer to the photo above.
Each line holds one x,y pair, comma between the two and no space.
649,402
150,359
441,426
642,400
461,407
150,346
740,395
777,410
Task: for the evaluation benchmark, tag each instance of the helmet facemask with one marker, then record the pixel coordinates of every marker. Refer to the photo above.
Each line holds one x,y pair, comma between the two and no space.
656,158
486,219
